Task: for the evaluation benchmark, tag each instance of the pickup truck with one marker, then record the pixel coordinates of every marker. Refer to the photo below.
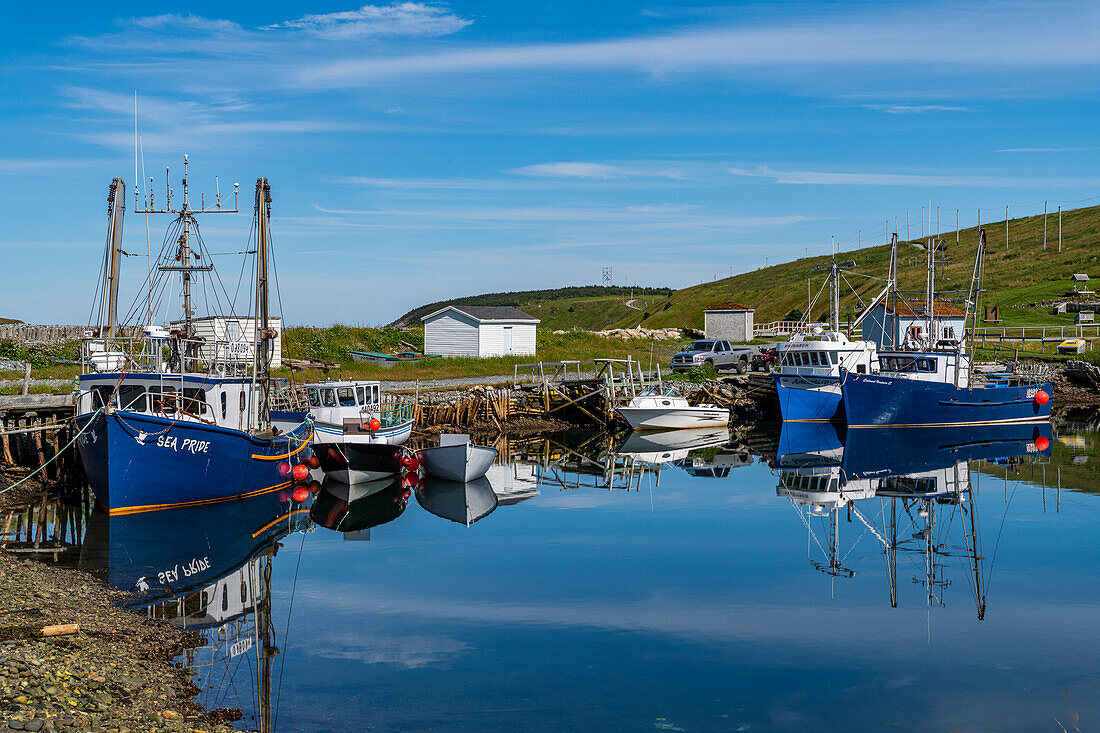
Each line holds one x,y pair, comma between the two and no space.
714,352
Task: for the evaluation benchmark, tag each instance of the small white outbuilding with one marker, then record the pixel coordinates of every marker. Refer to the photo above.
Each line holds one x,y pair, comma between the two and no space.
479,330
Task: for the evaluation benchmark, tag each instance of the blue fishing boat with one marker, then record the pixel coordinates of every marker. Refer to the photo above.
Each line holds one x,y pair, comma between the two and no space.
168,417
929,381
811,363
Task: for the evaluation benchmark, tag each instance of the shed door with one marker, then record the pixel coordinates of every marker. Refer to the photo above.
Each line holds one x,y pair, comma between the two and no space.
507,339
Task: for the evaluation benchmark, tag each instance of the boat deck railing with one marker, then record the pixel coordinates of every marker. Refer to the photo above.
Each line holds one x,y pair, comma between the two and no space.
166,355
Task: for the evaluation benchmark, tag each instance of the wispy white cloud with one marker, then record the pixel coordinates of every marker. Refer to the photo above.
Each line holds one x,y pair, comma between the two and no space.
589,170
935,180
915,109
935,40
398,19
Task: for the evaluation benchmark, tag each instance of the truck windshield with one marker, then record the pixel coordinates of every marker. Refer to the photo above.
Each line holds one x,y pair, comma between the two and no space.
700,346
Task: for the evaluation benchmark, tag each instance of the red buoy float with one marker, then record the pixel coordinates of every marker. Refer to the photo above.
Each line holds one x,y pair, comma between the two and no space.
314,486
314,462
412,465
1041,443
284,469
300,472
301,494
1041,397
284,496
374,424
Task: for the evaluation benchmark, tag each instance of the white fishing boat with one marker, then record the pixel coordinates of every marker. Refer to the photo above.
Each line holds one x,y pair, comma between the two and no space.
457,459
358,431
663,408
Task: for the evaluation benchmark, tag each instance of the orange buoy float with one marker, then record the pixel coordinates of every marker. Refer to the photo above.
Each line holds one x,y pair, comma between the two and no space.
301,494
375,424
300,472
1041,397
1041,443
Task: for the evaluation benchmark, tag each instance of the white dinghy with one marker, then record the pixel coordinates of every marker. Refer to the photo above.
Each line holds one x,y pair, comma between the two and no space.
457,459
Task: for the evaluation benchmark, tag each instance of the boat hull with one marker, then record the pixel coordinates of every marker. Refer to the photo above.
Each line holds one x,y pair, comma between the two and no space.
649,418
390,435
809,399
879,401
137,463
463,462
353,463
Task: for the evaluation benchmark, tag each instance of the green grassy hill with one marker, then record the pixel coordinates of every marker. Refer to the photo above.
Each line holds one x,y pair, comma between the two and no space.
581,306
1015,278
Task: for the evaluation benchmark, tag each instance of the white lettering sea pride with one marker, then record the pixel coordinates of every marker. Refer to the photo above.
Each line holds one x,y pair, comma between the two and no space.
189,445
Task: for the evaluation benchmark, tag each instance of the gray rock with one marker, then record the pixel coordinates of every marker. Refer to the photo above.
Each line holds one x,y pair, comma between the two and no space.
34,725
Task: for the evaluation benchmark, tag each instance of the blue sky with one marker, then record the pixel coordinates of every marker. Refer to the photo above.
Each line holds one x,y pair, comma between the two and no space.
424,151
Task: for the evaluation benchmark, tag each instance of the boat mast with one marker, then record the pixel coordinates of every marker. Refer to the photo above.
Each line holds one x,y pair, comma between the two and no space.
975,290
265,336
116,208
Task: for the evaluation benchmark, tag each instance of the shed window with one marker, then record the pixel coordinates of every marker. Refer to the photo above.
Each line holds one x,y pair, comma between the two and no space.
328,398
346,396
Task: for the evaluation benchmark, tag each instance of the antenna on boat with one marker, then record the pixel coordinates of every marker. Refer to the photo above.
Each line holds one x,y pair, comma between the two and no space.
186,216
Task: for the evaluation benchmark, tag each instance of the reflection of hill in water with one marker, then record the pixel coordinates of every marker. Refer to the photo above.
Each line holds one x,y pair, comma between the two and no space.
1073,464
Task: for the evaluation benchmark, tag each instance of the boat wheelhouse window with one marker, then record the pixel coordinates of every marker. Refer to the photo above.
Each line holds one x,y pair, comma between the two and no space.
194,401
926,365
346,395
374,393
225,403
163,398
833,357
314,398
101,396
132,397
861,369
328,398
361,393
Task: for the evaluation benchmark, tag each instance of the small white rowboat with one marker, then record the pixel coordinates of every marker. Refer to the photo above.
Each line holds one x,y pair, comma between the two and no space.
457,459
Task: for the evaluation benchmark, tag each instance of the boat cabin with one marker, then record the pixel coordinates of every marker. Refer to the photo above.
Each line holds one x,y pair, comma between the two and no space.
947,367
333,402
225,402
824,354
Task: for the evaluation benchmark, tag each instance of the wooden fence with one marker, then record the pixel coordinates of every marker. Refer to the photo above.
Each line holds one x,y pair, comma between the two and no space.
1041,335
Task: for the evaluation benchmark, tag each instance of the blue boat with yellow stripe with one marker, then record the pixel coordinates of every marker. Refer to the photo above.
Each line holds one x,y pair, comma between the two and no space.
181,415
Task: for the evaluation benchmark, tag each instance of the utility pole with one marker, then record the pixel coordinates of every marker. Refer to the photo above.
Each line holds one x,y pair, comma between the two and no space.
1059,227
907,237
1006,227
1044,226
956,226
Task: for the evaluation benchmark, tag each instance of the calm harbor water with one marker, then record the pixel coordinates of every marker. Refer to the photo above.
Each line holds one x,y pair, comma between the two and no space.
651,586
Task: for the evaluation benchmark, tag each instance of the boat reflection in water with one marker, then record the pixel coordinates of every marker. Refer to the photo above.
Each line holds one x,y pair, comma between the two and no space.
464,503
355,508
923,481
205,568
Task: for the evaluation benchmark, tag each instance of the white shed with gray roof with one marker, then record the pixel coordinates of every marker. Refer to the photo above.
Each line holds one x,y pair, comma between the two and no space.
479,330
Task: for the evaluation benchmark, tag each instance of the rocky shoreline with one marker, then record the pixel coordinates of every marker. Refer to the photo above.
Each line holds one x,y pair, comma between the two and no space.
115,674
